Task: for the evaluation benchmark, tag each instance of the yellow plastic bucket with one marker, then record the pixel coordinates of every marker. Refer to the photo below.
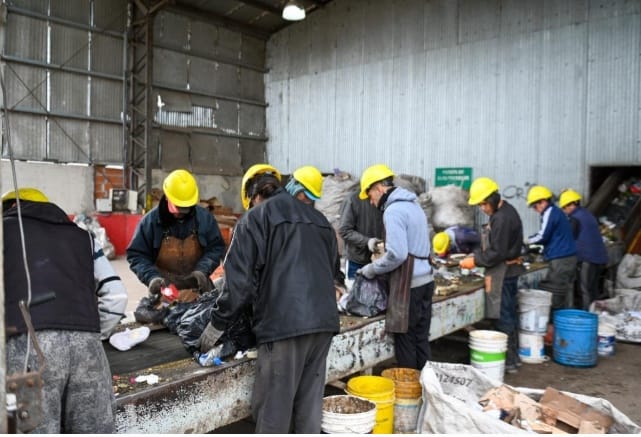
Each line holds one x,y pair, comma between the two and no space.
381,391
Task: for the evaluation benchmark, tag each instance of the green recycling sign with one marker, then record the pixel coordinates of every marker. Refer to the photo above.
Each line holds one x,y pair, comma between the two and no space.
459,176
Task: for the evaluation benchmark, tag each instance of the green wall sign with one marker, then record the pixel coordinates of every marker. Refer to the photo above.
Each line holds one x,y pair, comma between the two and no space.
459,176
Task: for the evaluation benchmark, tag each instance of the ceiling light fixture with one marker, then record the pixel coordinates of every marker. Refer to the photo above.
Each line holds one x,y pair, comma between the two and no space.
293,11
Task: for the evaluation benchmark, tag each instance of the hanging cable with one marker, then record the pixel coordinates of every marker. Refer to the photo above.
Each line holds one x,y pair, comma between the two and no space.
7,136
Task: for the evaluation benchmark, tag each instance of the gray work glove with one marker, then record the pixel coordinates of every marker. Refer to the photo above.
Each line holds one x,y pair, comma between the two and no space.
155,285
371,244
367,271
203,281
209,337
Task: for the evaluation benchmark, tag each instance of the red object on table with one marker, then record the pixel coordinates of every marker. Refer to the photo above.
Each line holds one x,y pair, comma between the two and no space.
170,292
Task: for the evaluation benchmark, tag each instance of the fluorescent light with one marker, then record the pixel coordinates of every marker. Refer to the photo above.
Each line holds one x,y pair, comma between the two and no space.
293,11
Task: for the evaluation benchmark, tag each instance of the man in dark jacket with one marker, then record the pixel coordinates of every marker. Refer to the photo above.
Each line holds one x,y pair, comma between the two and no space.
178,242
282,261
65,263
500,251
591,253
361,227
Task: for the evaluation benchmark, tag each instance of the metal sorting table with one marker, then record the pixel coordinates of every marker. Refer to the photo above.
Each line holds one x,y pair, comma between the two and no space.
194,399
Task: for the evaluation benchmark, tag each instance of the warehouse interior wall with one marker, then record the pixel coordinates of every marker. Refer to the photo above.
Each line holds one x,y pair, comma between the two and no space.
67,93
523,92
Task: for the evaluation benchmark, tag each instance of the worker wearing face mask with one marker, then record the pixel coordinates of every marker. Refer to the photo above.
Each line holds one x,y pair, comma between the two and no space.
177,242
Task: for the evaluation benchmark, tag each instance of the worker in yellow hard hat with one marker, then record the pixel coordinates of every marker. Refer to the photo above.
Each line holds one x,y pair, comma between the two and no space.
455,239
77,300
259,182
500,255
178,242
282,262
406,258
591,253
559,248
306,184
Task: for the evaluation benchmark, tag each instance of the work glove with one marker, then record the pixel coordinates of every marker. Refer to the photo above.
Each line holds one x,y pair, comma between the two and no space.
155,285
219,283
371,244
467,263
203,282
209,337
367,271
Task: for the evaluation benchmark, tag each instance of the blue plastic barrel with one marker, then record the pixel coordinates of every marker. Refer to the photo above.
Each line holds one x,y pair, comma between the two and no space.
575,338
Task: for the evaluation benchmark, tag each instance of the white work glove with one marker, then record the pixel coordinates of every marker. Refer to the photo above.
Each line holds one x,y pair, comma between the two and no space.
371,244
367,271
209,337
219,283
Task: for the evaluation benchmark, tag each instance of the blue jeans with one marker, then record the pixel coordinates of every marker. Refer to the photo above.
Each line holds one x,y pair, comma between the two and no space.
509,319
351,268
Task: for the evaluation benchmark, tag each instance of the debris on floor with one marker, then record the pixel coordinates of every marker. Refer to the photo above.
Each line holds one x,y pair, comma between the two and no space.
555,413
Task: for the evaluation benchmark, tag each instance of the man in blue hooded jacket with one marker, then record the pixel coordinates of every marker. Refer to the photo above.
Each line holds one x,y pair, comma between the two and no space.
559,248
407,243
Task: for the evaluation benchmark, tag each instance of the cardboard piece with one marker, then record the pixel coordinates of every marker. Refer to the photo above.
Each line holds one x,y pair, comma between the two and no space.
573,412
555,413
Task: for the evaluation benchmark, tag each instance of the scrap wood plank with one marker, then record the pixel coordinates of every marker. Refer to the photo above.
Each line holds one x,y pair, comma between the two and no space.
572,411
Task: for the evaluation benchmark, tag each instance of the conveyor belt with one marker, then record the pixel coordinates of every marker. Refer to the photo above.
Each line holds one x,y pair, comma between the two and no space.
161,347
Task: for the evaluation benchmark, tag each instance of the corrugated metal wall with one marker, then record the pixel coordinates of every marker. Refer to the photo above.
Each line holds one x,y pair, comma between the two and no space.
64,76
522,91
65,81
210,82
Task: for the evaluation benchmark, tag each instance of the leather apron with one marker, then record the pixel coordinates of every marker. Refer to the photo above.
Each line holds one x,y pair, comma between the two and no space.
398,303
177,259
493,281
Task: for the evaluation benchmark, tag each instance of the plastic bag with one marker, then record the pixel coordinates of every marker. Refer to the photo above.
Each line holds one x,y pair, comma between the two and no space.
450,403
148,311
368,297
237,336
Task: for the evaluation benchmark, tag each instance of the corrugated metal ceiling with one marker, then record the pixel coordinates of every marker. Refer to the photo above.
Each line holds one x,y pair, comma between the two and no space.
258,17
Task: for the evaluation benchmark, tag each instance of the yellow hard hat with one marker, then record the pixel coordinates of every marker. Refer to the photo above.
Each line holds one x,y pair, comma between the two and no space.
310,178
31,194
181,188
371,175
441,243
481,189
255,170
538,192
568,196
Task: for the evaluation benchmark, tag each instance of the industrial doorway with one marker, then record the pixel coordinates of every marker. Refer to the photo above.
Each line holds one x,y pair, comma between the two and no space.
615,196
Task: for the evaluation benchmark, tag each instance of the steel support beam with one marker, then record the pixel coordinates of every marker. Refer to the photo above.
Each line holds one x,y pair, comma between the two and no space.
140,98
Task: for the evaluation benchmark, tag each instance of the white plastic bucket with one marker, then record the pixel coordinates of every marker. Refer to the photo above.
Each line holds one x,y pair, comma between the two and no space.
607,340
406,415
534,310
531,348
487,352
347,414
